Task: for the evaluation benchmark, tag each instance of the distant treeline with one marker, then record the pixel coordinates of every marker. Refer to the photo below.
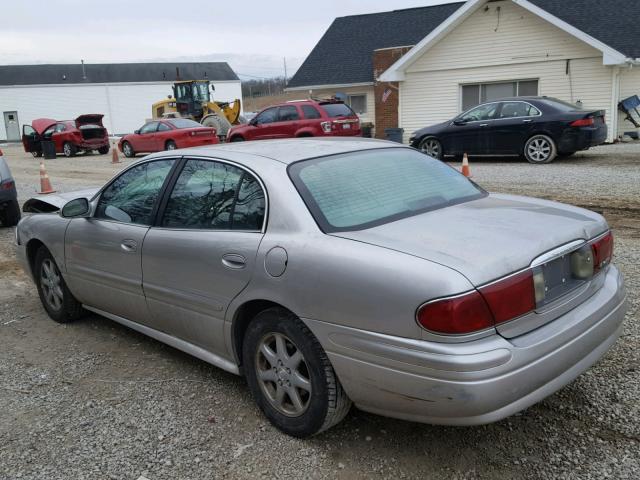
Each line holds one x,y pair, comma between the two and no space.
263,87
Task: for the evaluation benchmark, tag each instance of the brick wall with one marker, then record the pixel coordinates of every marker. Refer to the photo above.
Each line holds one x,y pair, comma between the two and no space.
386,112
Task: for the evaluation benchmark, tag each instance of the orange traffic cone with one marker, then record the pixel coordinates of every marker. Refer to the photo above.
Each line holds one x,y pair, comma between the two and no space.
465,166
45,183
114,154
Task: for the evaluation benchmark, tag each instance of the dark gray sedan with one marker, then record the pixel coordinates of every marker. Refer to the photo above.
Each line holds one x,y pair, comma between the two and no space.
337,271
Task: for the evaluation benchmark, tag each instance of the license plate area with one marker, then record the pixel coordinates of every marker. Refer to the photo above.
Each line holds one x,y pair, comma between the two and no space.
558,279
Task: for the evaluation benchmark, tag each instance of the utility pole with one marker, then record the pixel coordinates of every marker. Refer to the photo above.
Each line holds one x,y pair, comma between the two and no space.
285,70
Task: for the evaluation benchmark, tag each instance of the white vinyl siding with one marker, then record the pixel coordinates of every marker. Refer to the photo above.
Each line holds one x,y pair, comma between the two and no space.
514,35
427,98
126,107
368,116
629,85
524,47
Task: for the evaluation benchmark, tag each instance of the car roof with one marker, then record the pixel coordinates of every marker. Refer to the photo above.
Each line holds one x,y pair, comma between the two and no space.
284,151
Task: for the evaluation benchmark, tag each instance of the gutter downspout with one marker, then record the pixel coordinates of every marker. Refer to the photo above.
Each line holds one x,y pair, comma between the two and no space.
615,98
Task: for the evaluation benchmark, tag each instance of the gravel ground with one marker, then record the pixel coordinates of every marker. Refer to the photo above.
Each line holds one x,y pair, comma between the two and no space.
94,400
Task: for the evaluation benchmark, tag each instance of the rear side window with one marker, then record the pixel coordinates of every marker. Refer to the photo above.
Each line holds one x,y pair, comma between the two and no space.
360,190
561,105
518,109
163,128
213,195
310,112
288,113
268,116
334,110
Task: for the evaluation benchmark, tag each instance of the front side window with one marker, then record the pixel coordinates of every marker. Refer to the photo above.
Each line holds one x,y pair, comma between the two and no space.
268,116
149,127
60,127
481,113
288,113
360,190
215,196
131,197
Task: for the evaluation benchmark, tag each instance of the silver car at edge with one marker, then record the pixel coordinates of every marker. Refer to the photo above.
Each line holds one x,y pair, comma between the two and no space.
332,272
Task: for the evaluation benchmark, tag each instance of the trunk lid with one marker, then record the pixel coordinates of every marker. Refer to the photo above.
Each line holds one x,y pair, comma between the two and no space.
486,239
89,119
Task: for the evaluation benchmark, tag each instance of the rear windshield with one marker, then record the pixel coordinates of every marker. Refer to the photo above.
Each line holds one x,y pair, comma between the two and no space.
337,110
562,105
183,123
360,190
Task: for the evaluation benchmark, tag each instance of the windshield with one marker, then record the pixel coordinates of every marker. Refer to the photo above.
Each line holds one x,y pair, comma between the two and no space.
360,190
201,92
183,123
337,110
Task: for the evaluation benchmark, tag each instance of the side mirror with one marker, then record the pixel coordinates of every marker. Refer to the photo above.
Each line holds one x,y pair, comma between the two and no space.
459,122
253,122
137,132
76,208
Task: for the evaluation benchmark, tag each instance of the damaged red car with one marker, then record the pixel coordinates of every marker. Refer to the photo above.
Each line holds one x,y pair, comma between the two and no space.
84,134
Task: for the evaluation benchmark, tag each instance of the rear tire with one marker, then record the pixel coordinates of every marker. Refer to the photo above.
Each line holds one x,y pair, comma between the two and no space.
170,145
237,138
540,149
290,375
69,149
56,298
432,147
10,214
127,149
103,150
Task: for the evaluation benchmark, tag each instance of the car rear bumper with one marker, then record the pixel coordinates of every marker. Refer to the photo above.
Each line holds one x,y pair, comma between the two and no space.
575,139
92,145
474,382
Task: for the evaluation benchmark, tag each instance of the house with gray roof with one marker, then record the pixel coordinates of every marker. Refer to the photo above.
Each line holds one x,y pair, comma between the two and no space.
415,67
122,92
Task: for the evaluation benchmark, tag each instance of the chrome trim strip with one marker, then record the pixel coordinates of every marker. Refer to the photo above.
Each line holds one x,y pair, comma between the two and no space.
557,252
174,342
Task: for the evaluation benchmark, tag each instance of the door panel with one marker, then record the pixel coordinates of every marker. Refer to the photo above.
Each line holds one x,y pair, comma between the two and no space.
30,139
202,253
472,133
104,266
188,284
515,123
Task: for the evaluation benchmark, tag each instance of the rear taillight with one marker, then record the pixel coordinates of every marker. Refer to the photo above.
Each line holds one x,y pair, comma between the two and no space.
7,185
326,127
583,122
1,152
458,315
511,297
602,252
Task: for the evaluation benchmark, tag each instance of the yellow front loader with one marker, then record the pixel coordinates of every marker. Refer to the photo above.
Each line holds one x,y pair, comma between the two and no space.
192,99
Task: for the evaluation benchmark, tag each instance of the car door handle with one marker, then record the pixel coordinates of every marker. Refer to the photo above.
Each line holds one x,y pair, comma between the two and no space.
484,124
129,245
233,261
528,120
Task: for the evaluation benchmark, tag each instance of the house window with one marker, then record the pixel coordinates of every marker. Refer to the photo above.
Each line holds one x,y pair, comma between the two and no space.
475,94
358,103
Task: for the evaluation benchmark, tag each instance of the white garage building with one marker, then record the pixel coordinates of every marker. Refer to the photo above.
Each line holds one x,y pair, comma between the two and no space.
123,92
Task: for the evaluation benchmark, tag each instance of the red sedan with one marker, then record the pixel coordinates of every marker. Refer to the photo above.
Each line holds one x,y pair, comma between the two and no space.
167,134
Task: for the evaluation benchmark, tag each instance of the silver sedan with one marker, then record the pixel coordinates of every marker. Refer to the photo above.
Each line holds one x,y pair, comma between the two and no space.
336,271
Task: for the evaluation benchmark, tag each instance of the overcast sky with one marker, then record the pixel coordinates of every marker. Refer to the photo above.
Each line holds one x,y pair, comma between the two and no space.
252,36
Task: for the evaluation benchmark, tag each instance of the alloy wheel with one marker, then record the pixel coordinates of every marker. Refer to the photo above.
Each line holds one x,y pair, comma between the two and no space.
283,374
67,150
51,284
539,149
126,148
431,147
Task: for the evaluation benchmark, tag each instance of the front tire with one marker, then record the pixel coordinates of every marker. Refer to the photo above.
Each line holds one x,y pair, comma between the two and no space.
432,147
103,150
170,145
540,149
55,296
290,376
127,149
69,149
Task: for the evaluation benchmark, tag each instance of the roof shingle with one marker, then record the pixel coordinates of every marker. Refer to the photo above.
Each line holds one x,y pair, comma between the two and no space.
49,74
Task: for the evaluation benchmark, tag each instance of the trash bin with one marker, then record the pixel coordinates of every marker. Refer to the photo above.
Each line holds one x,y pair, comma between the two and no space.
367,129
394,134
48,149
